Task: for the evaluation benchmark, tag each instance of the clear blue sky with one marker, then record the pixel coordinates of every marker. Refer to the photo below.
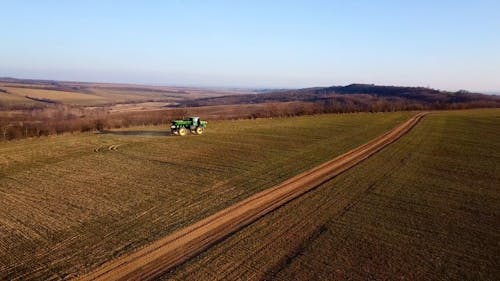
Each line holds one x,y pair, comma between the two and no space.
442,44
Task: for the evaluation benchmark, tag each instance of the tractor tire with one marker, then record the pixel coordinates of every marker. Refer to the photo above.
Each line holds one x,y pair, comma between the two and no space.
175,132
199,130
182,132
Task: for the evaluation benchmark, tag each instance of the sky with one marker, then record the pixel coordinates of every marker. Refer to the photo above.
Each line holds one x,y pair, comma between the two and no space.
448,45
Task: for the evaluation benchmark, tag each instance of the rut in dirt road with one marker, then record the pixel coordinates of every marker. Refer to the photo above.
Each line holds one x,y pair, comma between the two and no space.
164,254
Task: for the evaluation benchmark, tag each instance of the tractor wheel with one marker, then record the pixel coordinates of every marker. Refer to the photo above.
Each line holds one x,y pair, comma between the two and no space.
199,130
182,131
175,132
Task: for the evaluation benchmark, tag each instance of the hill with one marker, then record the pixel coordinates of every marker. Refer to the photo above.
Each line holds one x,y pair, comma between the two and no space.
364,96
31,93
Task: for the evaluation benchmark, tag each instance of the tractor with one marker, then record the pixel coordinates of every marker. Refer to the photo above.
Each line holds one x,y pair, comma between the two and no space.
193,124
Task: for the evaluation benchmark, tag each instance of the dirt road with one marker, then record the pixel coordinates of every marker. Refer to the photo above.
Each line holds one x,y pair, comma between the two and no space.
162,255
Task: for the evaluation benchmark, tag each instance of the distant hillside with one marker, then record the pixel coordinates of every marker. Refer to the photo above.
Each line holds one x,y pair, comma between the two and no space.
362,95
32,93
18,94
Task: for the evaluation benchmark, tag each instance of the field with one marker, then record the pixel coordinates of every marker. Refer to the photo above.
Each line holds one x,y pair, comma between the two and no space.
73,202
54,96
89,97
34,108
426,207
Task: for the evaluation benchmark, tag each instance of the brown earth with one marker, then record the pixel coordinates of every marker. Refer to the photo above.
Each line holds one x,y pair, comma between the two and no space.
176,248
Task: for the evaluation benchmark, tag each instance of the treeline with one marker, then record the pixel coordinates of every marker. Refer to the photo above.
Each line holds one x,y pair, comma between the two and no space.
43,102
357,103
359,93
58,119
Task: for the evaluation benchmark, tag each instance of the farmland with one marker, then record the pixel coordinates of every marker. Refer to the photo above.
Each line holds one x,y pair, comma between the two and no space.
426,207
74,201
96,96
54,96
34,108
26,93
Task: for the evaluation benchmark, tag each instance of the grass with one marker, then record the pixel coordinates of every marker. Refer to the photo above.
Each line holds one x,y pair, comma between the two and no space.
425,208
69,203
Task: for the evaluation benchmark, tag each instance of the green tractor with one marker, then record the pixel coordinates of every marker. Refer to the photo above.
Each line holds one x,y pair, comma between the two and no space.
193,124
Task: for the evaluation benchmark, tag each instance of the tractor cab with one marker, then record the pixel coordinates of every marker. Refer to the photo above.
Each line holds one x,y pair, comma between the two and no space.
194,121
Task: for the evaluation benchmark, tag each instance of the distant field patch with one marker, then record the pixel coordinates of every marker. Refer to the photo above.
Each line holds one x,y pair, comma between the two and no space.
58,96
8,98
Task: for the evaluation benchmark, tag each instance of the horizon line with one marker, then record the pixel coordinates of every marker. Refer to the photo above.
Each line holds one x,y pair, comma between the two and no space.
200,86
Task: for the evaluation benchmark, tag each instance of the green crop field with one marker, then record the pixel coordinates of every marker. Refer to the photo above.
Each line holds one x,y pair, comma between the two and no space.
72,202
425,208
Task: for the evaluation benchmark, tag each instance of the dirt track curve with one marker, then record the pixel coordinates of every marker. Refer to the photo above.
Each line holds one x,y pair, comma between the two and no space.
162,255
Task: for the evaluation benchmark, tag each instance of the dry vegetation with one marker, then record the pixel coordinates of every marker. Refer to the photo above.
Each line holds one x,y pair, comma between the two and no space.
362,97
18,94
57,119
32,108
53,96
72,202
425,208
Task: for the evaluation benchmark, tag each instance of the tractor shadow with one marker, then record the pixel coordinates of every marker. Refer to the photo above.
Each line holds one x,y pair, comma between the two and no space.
139,133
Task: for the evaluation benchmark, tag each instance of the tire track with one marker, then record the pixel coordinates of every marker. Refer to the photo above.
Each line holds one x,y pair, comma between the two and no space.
172,250
113,147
